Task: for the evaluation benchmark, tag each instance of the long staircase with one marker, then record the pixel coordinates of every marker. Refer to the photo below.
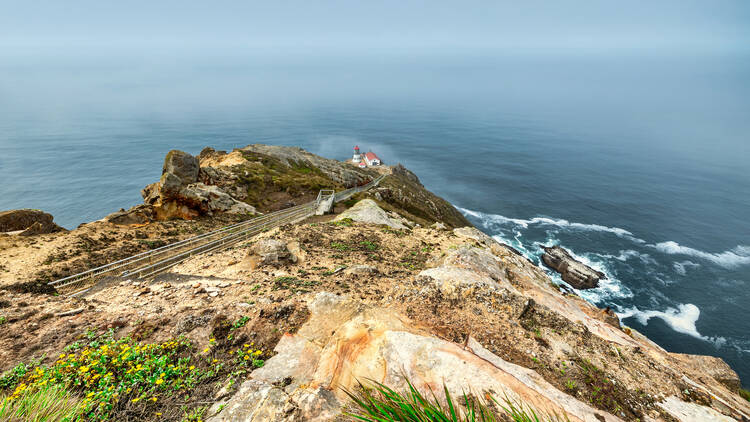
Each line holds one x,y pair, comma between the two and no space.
149,263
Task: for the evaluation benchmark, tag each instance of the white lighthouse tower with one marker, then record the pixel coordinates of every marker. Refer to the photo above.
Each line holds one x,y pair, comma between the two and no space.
357,158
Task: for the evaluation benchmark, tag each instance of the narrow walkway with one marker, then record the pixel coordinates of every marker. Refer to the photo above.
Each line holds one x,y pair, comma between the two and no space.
152,262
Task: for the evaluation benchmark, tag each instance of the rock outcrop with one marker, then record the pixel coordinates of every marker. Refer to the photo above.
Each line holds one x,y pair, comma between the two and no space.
403,190
577,274
368,211
340,173
345,342
28,221
179,194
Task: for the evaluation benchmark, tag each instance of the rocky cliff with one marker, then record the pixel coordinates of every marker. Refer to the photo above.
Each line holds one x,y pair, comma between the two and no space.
279,327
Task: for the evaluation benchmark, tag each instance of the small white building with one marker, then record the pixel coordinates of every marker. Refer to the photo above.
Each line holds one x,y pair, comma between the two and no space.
357,158
371,159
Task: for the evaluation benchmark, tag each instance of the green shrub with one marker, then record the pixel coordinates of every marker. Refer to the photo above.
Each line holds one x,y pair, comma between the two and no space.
111,377
745,394
381,404
370,246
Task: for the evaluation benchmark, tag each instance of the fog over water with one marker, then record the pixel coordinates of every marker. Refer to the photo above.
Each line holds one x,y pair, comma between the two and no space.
617,131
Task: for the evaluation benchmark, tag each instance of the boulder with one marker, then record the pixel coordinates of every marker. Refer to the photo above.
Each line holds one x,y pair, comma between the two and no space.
30,221
575,273
179,194
181,166
368,211
270,252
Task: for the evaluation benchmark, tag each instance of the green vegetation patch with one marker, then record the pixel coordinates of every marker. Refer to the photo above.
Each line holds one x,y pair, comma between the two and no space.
107,379
294,284
263,175
745,394
339,246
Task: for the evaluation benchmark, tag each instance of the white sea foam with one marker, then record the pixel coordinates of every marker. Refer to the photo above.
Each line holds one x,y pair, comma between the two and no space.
682,319
681,267
625,255
734,258
545,221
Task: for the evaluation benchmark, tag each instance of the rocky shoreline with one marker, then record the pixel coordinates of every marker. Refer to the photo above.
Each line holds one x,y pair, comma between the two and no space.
396,284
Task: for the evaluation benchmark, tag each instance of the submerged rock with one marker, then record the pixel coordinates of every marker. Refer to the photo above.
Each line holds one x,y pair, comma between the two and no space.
577,274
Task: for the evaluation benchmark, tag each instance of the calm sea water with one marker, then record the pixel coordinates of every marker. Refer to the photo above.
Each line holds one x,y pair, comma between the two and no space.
638,165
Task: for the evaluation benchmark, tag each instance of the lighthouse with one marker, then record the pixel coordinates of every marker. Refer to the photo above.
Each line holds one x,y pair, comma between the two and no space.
357,158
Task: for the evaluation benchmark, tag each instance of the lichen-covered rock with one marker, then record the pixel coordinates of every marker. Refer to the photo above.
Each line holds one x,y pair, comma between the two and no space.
31,221
271,252
368,211
578,275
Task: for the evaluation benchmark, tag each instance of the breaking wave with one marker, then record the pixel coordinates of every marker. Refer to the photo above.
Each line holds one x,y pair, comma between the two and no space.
727,259
545,221
625,255
681,319
681,267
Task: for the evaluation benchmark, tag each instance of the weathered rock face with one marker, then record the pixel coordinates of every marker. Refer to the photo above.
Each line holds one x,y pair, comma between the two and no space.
368,211
31,221
578,275
716,368
178,194
345,342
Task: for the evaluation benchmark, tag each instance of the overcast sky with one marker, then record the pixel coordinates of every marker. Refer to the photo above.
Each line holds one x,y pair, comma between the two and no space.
428,25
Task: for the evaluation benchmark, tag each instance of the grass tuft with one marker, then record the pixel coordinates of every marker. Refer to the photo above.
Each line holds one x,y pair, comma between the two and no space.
48,404
382,404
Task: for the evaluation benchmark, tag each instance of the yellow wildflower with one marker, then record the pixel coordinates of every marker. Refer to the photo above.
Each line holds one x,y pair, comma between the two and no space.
160,381
135,400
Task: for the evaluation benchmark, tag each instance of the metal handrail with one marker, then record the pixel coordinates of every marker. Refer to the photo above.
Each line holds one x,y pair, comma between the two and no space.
225,236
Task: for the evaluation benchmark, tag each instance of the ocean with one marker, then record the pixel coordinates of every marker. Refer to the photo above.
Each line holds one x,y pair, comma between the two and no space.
638,164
